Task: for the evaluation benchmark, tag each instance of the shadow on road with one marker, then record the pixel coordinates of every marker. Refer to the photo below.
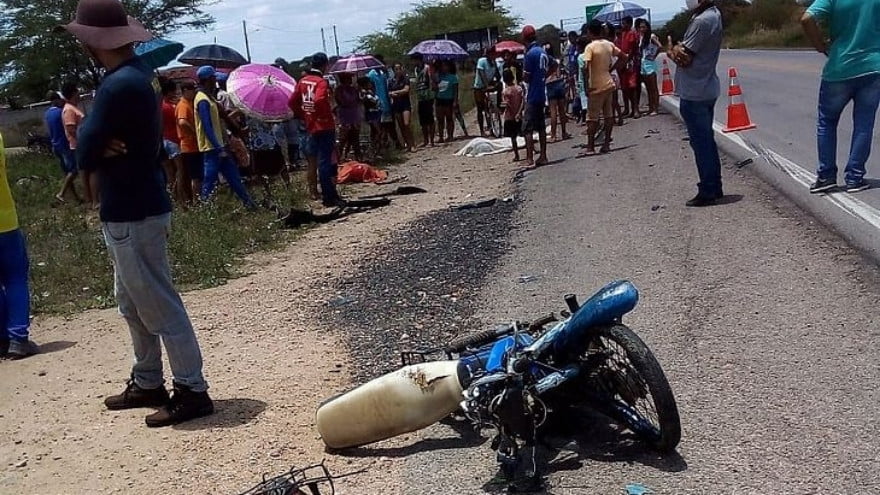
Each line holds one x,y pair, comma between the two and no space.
57,346
229,413
467,438
729,199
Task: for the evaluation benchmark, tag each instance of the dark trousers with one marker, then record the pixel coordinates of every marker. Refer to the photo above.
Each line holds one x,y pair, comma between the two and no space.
699,116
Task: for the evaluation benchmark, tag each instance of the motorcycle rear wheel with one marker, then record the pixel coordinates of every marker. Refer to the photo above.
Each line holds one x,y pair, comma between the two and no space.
641,393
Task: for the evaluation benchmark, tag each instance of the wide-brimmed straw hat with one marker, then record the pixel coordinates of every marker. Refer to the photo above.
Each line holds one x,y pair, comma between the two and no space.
103,24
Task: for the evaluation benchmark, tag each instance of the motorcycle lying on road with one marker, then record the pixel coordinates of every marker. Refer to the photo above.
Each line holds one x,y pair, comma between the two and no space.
514,379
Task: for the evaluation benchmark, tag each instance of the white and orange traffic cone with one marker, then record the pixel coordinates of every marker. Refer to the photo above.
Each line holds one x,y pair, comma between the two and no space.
737,113
668,87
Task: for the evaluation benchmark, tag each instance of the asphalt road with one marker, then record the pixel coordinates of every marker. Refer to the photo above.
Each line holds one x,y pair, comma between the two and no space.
765,323
781,89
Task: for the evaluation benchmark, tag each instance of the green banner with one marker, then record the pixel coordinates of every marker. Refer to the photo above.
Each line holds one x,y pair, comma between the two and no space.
592,10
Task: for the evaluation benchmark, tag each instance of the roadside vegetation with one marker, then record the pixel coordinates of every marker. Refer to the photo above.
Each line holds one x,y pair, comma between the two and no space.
756,24
70,270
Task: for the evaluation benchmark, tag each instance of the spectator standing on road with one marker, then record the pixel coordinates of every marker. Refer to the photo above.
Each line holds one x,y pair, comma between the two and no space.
311,102
14,294
447,100
555,82
372,113
349,111
379,78
426,86
581,86
852,73
628,42
192,163
513,99
401,104
698,87
649,47
72,117
120,141
209,132
60,146
484,81
598,58
534,72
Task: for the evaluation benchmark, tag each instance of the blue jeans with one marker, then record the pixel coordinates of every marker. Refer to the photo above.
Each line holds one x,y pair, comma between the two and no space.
14,296
151,305
864,92
323,144
698,117
216,165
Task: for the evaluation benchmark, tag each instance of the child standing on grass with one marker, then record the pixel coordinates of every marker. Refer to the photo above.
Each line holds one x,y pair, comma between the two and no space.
14,295
512,100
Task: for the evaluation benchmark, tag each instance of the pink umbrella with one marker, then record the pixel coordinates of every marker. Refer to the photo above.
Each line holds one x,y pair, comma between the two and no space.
355,64
261,91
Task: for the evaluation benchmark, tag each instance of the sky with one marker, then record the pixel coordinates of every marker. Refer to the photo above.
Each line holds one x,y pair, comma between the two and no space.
292,29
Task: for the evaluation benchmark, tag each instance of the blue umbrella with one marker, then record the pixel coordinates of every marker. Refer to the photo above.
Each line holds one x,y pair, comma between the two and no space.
439,49
158,52
221,57
616,11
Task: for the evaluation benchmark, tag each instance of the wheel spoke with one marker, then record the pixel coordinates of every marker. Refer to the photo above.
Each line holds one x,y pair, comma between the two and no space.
619,364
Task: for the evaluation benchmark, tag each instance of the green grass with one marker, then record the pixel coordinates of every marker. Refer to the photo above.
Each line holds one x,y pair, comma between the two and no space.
70,269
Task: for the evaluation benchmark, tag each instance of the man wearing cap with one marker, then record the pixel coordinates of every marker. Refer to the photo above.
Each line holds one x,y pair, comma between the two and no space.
311,103
535,66
121,140
209,133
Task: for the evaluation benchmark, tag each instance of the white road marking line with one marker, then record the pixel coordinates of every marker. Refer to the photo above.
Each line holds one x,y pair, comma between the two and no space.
845,202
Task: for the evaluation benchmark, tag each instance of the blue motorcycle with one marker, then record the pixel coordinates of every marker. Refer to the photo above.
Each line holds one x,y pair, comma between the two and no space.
514,379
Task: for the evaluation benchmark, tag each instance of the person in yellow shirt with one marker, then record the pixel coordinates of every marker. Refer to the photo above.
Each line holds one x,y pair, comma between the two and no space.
14,295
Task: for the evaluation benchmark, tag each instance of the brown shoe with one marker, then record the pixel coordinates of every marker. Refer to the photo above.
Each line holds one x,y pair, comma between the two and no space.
134,397
183,406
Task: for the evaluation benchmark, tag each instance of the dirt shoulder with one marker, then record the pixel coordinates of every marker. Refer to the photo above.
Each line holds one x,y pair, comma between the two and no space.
268,360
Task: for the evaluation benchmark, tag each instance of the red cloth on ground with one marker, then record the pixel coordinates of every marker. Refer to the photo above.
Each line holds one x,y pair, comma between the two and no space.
352,172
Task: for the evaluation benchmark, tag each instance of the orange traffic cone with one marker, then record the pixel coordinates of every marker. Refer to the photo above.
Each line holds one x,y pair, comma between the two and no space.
737,114
668,86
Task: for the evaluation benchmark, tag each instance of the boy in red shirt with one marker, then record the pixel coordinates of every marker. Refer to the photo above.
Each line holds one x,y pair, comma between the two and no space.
311,103
170,139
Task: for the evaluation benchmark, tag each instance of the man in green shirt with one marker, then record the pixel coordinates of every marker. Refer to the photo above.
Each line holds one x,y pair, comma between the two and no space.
852,73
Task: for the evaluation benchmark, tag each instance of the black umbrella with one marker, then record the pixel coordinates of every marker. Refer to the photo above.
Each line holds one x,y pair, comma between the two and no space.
221,57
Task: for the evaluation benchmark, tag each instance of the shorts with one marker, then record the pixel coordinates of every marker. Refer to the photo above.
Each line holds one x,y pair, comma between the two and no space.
556,90
400,105
601,104
533,119
195,165
68,161
443,103
172,149
480,97
512,128
386,118
373,116
629,79
426,113
268,162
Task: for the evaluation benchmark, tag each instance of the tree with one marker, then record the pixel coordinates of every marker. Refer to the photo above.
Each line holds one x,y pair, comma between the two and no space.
429,18
35,57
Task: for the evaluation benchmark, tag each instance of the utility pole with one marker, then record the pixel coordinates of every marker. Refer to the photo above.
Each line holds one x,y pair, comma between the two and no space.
323,40
335,40
247,45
